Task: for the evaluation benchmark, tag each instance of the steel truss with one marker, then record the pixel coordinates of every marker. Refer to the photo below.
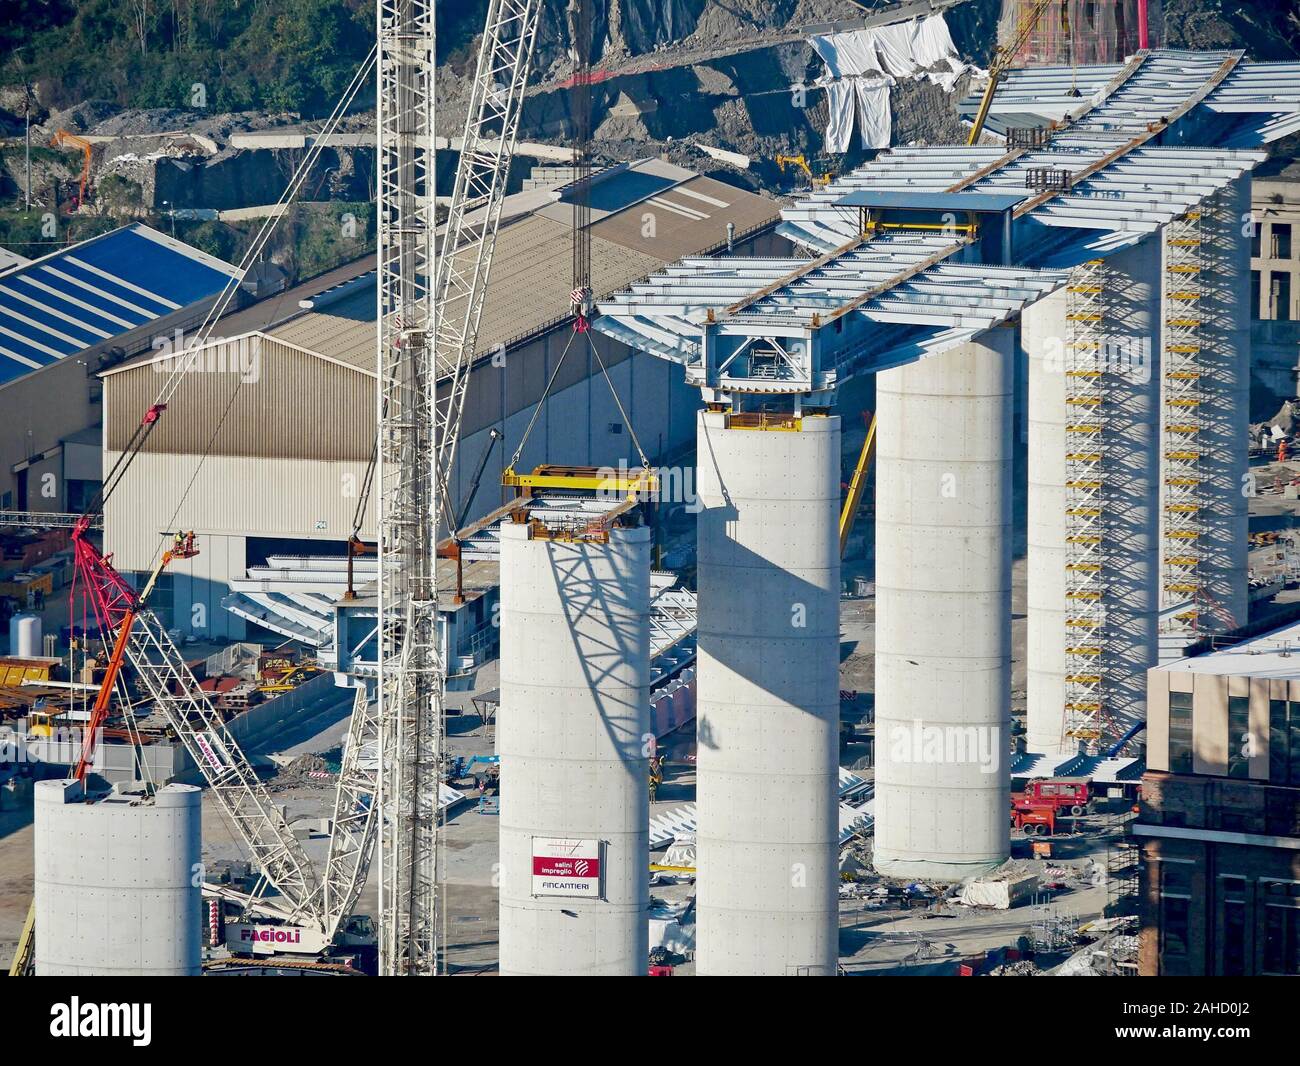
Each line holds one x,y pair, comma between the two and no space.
429,313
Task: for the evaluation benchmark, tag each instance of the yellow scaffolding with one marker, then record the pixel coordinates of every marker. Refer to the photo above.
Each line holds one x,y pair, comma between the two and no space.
1181,581
1086,542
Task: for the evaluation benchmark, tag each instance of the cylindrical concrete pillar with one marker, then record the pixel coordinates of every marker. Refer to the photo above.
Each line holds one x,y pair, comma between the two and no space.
1126,335
943,611
573,733
116,892
768,695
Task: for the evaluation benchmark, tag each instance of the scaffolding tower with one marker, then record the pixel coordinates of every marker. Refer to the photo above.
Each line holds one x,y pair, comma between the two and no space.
1181,582
1086,360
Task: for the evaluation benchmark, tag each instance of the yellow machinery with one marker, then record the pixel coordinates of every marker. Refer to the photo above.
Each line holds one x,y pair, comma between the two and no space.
67,139
821,176
25,954
857,486
1005,55
290,679
629,482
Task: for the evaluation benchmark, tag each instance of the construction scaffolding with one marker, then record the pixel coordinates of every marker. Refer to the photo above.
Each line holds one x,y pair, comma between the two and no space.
1181,585
1086,362
1073,32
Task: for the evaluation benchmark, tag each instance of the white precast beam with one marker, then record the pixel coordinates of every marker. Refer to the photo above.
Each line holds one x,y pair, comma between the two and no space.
943,611
768,690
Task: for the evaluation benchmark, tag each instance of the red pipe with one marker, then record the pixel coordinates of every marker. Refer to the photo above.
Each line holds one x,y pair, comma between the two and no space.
1144,36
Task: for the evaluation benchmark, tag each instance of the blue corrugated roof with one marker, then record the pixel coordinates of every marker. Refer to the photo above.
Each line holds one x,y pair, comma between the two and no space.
95,291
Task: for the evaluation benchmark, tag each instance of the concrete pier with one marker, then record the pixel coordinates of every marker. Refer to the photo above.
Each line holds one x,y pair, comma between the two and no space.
768,684
573,733
943,611
116,887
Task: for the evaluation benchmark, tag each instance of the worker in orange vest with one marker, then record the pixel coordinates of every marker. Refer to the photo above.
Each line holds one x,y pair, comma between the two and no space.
1281,450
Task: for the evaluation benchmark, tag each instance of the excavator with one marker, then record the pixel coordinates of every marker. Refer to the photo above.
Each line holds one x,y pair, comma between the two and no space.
819,172
67,139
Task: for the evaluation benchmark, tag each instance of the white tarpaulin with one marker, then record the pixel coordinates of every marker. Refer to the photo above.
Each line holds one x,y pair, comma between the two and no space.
904,50
839,126
874,116
868,99
862,64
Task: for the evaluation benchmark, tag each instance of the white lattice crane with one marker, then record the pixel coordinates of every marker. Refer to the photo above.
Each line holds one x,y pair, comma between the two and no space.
431,292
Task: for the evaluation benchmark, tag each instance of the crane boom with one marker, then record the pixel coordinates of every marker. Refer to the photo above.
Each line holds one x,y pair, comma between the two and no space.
1005,55
428,331
202,732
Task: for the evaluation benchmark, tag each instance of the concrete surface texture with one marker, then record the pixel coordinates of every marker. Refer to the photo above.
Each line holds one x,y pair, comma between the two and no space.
116,892
573,733
943,611
1131,329
768,697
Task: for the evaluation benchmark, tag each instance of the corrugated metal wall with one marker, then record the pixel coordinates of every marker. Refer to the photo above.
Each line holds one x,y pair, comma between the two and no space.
252,396
234,495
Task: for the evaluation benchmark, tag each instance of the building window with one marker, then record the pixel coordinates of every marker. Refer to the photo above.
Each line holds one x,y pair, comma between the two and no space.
1175,912
1180,732
1281,240
1281,928
1280,290
1293,742
162,599
1232,928
1255,228
1254,294
1278,733
1240,742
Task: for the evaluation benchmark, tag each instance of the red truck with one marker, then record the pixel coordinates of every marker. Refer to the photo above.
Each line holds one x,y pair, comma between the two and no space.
1034,821
1061,795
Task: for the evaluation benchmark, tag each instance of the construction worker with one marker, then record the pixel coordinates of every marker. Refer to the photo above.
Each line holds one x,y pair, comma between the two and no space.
178,542
1281,450
656,776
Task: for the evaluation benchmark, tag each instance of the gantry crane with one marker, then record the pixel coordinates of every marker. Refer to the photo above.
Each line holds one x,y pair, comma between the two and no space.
430,306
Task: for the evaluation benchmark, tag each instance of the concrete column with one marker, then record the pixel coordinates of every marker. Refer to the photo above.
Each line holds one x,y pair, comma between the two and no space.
1130,333
1044,331
768,688
943,611
115,890
572,733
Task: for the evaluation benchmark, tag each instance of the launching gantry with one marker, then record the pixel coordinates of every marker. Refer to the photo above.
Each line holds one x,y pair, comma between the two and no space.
911,281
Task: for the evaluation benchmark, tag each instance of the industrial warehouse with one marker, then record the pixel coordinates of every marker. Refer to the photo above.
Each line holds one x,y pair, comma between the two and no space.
615,542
